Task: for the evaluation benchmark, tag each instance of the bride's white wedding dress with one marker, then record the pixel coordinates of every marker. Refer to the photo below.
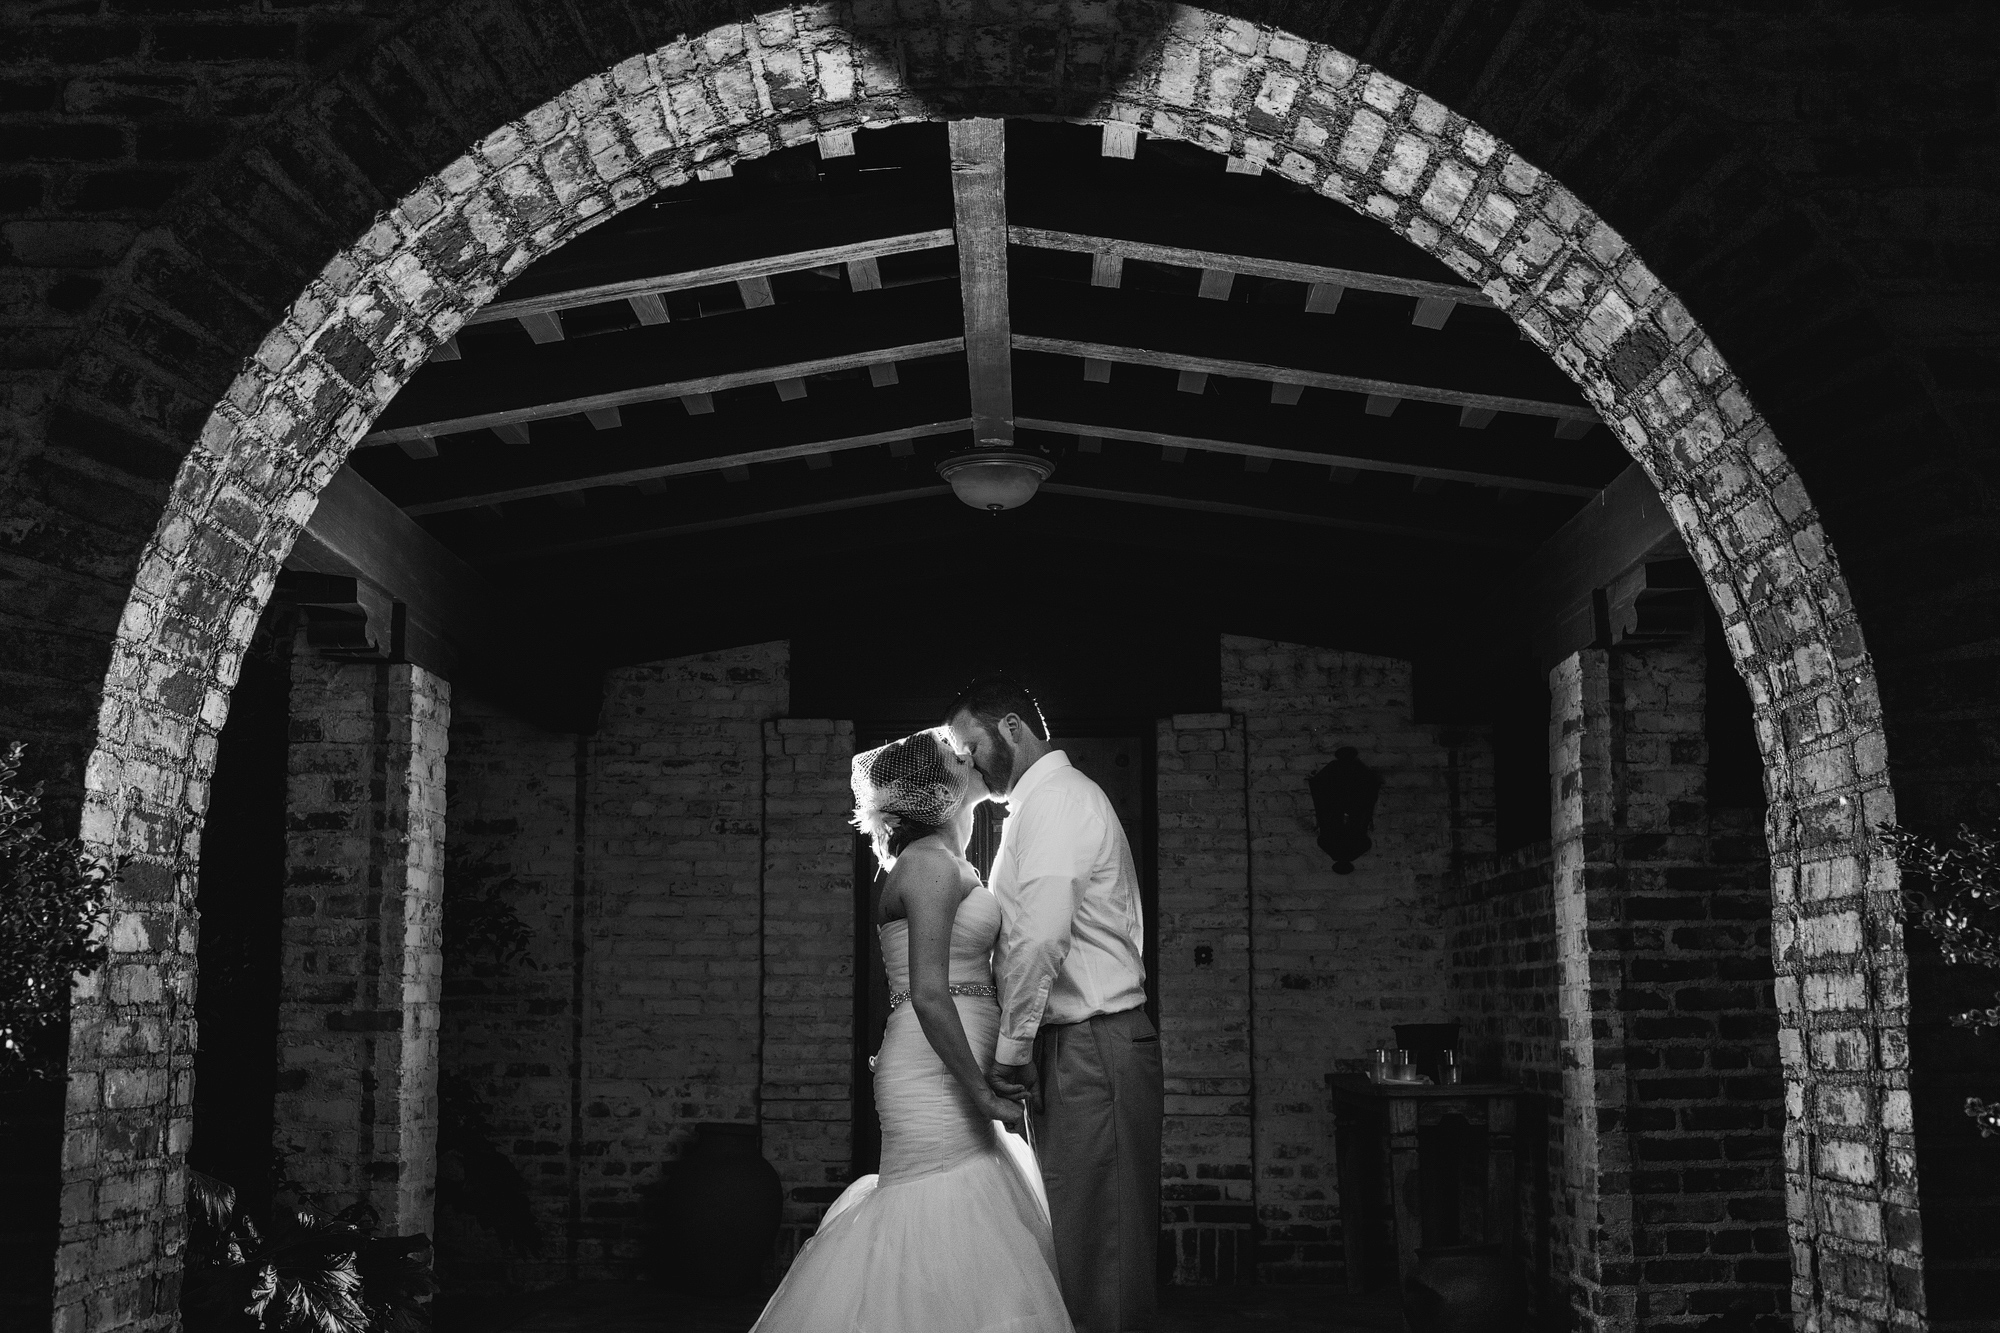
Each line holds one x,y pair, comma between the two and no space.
953,1235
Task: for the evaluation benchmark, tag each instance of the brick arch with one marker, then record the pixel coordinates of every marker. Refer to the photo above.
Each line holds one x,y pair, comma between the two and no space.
1302,109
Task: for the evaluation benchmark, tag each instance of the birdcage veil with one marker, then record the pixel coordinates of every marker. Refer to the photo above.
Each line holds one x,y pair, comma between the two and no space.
907,781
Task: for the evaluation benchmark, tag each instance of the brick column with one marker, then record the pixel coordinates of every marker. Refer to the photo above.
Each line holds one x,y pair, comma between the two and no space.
358,1008
1672,1192
1205,1005
1593,1240
806,1068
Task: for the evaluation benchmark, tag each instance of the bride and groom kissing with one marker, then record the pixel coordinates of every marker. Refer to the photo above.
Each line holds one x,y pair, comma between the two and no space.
1017,1031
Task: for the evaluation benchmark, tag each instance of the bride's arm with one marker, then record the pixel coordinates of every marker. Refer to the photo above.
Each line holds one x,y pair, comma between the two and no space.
929,886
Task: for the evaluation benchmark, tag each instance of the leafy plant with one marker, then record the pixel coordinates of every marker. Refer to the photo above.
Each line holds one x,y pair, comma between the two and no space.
1959,904
313,1273
52,910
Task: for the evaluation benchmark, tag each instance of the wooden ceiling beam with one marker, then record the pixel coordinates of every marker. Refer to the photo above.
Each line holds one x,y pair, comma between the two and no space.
1211,261
519,554
1450,536
358,532
643,293
652,393
1453,536
1313,458
1175,445
453,622
979,208
1556,599
690,467
1104,354
1119,139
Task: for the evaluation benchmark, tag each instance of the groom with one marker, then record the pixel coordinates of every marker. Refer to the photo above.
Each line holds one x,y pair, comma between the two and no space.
1074,1036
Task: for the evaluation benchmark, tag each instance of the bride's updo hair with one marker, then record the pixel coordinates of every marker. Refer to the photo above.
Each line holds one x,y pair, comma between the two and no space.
906,790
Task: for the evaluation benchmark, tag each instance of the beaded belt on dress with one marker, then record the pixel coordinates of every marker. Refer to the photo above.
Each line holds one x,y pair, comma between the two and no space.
896,998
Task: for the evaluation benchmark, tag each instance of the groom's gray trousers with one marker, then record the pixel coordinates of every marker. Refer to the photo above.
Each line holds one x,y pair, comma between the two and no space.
1098,1136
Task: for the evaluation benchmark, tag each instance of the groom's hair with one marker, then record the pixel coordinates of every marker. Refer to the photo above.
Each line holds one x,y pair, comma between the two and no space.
994,695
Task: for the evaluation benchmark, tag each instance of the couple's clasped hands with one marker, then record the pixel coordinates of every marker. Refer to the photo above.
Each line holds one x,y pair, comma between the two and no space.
1013,1090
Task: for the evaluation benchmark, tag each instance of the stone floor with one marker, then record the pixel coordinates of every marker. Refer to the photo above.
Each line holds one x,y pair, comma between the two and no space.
615,1307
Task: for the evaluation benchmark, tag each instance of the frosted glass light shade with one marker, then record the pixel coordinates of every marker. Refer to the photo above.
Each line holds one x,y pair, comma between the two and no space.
995,479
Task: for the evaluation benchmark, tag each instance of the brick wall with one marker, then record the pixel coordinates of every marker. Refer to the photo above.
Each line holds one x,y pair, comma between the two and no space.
805,1097
1498,926
674,856
511,1023
1208,1209
713,869
1338,959
637,860
1273,969
356,1113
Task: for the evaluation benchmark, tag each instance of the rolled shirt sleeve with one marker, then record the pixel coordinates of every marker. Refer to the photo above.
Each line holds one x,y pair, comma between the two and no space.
1053,850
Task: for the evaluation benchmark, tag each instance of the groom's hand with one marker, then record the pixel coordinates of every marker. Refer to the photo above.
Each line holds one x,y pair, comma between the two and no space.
1014,1082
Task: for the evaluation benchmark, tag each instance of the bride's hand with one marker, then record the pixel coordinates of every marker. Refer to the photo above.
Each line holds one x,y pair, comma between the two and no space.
1007,1113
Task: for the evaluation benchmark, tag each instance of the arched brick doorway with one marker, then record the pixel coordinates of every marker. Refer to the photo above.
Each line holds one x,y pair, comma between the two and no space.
1262,97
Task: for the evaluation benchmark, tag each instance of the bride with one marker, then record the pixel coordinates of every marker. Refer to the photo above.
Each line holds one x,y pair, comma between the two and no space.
953,1235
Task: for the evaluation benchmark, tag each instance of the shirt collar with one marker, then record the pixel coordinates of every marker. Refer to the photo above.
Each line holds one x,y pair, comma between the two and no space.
1038,773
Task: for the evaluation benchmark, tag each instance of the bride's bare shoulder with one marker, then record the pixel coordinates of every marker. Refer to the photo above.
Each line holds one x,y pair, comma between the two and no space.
926,867
924,861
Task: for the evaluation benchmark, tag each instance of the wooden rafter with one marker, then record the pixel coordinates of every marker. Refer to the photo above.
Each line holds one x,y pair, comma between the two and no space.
357,531
516,555
1447,535
652,393
1452,536
1104,354
1211,261
647,290
454,622
1263,451
690,467
1553,600
979,207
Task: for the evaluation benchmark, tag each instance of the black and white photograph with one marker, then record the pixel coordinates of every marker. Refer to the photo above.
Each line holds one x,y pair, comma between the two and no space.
999,666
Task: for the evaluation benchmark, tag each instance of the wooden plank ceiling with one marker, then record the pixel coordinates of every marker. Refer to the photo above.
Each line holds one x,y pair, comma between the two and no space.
1225,369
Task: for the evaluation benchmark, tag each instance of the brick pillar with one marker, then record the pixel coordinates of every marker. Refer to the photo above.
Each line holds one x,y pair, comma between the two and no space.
1593,1240
1673,1107
1208,1206
806,1068
358,1007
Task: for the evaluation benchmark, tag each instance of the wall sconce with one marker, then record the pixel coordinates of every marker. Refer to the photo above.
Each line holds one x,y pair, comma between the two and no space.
1343,797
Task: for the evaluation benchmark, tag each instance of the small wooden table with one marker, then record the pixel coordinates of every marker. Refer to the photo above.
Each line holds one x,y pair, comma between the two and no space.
1376,1150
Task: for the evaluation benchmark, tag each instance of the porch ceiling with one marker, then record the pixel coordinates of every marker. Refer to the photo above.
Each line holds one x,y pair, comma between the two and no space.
1230,373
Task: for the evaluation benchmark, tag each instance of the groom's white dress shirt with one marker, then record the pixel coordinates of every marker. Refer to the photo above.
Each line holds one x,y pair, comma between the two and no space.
1072,942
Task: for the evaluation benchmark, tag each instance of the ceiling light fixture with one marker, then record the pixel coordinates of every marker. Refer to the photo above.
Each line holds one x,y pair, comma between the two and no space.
995,478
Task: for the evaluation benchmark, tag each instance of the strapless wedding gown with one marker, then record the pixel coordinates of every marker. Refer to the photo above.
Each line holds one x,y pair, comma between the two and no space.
953,1235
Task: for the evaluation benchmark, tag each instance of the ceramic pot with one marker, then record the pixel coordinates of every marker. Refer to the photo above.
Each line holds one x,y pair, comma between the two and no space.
715,1214
1462,1289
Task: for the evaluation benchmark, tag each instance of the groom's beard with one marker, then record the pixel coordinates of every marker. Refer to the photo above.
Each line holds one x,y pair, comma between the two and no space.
999,774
